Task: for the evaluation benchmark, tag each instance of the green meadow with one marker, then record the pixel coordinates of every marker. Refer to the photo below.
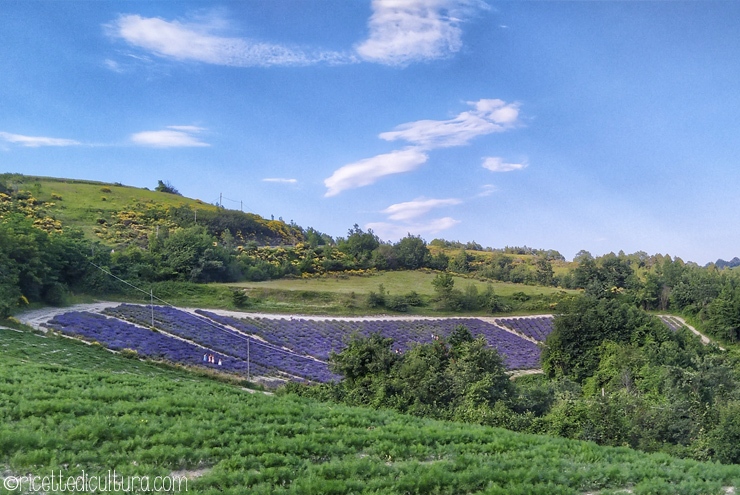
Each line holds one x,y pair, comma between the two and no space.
347,294
395,282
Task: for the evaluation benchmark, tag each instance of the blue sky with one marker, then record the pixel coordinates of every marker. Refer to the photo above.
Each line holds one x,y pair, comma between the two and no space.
593,125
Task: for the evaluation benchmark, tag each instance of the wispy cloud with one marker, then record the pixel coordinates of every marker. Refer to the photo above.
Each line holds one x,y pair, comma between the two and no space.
395,231
280,180
497,164
412,209
486,190
407,31
175,136
36,141
404,218
486,117
369,170
200,41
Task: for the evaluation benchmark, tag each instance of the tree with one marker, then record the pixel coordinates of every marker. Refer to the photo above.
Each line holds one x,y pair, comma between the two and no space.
365,365
460,263
443,285
583,324
544,273
478,374
360,245
166,187
412,252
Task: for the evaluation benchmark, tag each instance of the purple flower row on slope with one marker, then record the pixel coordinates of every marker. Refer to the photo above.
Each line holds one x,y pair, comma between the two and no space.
321,337
118,335
219,338
671,322
536,327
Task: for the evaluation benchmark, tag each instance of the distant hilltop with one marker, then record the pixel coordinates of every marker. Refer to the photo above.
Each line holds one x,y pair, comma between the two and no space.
727,264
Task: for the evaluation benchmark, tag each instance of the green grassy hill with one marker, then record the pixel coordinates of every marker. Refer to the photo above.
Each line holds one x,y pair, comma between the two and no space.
116,214
68,406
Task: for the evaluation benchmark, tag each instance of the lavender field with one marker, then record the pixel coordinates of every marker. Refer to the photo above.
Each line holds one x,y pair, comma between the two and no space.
282,348
535,327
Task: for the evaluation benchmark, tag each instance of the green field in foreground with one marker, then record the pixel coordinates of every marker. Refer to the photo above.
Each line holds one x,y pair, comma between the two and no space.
68,406
395,282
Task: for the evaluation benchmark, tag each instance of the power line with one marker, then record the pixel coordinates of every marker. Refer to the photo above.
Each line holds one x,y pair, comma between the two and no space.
206,320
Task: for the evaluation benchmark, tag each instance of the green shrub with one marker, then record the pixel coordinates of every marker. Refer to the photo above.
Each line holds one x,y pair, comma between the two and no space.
239,298
397,303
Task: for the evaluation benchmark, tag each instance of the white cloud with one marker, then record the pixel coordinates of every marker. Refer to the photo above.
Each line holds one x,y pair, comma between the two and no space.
113,65
395,231
36,141
280,180
200,42
411,209
497,164
488,116
404,218
486,190
406,31
369,170
175,136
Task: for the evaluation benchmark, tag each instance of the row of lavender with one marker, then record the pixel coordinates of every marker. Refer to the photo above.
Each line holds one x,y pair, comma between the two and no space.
539,327
672,322
217,337
536,327
119,335
320,338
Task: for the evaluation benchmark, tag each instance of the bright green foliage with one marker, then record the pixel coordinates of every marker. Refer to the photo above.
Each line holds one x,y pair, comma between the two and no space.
583,324
412,253
440,379
37,265
723,313
460,263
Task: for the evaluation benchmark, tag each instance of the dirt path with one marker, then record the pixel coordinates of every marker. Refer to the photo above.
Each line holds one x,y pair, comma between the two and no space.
37,317
704,339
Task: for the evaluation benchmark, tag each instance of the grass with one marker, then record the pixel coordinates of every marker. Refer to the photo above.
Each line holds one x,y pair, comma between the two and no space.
395,282
347,295
84,202
73,407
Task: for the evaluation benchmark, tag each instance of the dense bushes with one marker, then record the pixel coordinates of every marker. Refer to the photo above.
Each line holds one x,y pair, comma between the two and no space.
36,265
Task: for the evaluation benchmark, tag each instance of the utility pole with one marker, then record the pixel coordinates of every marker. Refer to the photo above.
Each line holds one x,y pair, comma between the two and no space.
221,200
248,359
151,301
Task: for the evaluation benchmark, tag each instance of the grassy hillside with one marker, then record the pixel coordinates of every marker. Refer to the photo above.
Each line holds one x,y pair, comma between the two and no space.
84,202
73,407
115,213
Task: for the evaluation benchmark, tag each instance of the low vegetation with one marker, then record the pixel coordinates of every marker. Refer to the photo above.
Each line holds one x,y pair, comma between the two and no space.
72,407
